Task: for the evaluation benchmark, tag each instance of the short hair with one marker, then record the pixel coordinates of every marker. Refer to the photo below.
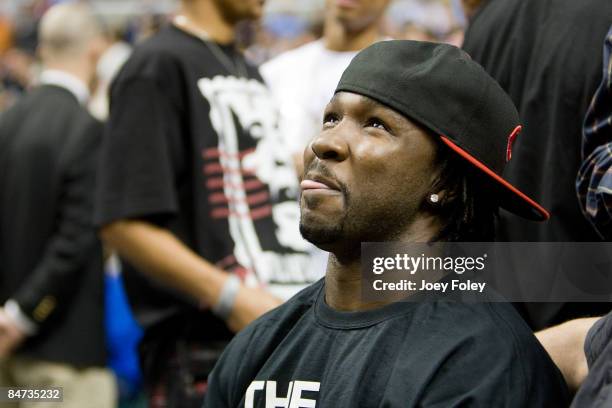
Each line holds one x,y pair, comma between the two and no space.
66,29
468,210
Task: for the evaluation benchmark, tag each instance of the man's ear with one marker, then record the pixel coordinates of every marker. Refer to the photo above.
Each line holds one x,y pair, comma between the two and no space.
452,197
444,188
96,47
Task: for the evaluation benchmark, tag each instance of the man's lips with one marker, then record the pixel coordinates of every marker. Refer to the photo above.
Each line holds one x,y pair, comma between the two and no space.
347,3
313,185
316,183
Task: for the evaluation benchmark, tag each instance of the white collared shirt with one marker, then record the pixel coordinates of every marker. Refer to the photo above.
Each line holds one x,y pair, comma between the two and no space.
67,81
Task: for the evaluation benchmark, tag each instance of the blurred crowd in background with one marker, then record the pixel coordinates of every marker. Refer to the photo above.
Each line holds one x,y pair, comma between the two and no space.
286,25
552,89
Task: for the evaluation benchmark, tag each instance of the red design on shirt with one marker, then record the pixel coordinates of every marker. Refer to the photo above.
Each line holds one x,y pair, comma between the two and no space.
228,198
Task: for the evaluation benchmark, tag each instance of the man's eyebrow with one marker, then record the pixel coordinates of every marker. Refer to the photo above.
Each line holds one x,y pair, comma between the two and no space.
369,104
374,104
333,100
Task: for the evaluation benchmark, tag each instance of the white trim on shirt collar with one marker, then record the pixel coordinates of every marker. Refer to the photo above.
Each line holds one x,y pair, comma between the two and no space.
67,81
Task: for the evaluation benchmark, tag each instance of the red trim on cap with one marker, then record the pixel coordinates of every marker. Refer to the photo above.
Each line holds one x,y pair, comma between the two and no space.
496,177
511,140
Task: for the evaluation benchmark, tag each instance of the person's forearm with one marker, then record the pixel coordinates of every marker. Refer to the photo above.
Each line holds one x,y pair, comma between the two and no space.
565,345
159,254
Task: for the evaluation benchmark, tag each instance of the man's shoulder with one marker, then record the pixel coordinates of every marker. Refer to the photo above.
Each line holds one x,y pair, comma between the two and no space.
497,318
252,346
56,103
493,327
282,318
487,331
157,57
493,334
292,309
492,341
168,39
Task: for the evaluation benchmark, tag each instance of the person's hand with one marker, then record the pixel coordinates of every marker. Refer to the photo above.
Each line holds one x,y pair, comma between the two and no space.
10,335
249,305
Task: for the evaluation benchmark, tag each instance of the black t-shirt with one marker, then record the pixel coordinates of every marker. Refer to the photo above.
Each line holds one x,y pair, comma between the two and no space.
194,147
431,354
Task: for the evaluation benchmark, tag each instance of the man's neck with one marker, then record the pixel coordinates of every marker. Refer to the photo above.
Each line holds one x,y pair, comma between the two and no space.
343,275
337,37
204,16
343,284
75,69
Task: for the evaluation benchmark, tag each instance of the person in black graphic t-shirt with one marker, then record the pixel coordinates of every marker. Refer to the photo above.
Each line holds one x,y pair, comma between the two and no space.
412,149
196,197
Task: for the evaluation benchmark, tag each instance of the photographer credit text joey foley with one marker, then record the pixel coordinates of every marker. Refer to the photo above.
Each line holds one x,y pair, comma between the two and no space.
411,265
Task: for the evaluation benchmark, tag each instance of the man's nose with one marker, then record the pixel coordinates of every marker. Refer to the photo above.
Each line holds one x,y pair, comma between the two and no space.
332,144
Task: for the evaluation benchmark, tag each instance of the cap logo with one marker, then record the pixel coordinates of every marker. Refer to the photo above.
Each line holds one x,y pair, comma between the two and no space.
511,140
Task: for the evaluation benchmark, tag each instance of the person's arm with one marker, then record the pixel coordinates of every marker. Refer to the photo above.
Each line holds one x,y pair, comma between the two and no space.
594,181
157,252
565,345
71,248
143,156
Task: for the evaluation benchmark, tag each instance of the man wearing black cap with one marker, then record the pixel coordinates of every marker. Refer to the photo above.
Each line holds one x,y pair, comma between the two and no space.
412,148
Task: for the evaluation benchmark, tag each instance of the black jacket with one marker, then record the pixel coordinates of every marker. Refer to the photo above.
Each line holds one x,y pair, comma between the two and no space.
547,55
50,257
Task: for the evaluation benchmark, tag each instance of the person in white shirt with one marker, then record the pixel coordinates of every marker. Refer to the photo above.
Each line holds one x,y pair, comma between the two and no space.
303,80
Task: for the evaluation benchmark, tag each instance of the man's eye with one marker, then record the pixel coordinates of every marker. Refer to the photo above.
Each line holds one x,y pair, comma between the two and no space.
330,119
377,123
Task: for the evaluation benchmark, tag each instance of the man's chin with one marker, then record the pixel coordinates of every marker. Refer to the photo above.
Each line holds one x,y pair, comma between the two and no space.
324,237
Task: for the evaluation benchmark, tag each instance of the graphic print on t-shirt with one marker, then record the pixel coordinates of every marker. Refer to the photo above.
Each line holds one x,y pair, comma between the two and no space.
300,394
250,183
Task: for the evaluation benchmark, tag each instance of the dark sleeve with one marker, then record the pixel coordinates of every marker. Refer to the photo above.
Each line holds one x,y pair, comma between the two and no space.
594,181
138,165
497,365
73,247
598,337
596,390
231,376
470,378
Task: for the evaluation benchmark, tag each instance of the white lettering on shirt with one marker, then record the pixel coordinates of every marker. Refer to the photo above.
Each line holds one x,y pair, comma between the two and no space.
293,398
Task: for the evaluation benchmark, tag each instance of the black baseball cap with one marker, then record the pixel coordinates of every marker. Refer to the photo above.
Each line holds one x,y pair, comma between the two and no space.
441,88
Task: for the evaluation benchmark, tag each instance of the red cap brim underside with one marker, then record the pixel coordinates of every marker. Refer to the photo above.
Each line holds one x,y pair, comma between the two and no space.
537,211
